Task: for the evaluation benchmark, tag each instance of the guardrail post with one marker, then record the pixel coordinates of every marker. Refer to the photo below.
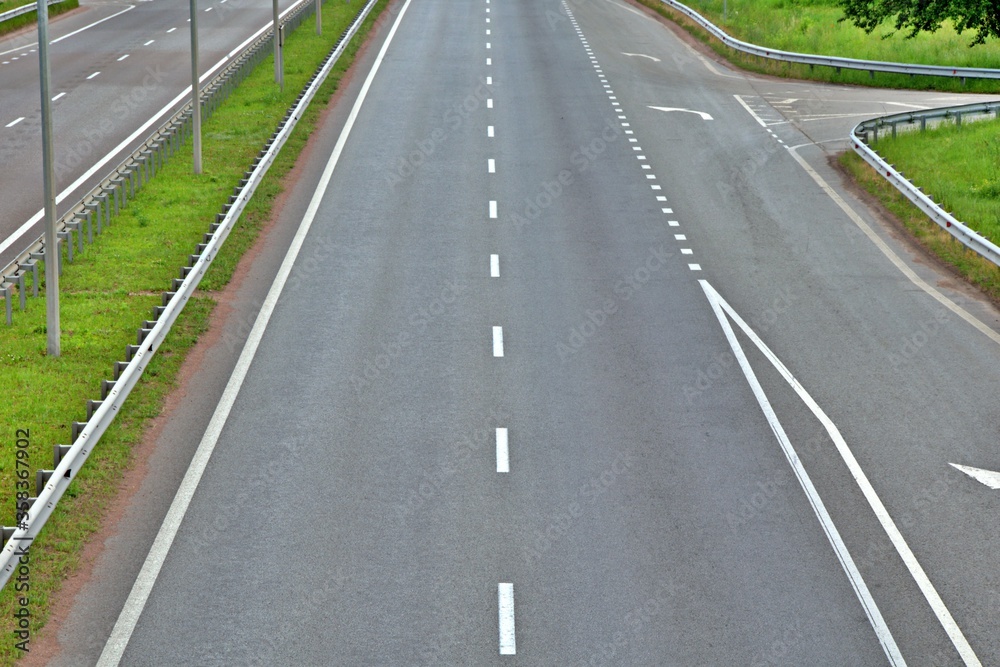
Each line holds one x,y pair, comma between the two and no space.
958,119
35,257
58,452
5,293
20,288
95,210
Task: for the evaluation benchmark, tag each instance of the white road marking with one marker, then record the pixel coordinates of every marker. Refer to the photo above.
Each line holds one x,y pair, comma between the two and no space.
687,251
487,31
488,45
694,267
661,198
892,256
489,61
505,605
489,81
751,111
497,341
123,57
149,42
722,309
491,166
489,130
655,187
171,30
680,237
493,209
144,582
93,75
14,122
59,96
503,455
489,103
704,116
23,229
641,55
75,32
673,223
667,210
987,477
494,266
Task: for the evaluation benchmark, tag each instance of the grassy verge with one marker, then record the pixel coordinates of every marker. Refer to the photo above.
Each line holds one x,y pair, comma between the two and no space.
111,289
978,271
813,27
19,22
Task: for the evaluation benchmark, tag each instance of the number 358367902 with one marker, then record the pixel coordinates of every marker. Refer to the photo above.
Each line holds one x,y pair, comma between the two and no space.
22,466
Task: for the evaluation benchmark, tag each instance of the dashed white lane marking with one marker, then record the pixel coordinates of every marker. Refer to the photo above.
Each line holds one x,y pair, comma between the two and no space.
171,30
694,267
489,61
491,166
93,75
488,45
687,251
505,606
149,42
489,130
123,57
14,122
489,81
59,96
493,209
489,103
497,341
680,237
209,9
487,31
494,266
503,455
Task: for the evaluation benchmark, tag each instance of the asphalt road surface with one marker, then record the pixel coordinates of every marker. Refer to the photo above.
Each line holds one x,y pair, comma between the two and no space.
585,356
115,66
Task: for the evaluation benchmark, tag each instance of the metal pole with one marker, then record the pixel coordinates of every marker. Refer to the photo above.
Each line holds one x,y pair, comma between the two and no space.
195,87
725,11
48,183
319,17
278,69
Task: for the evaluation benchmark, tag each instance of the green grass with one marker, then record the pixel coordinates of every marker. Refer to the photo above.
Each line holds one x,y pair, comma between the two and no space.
109,290
919,166
813,27
19,22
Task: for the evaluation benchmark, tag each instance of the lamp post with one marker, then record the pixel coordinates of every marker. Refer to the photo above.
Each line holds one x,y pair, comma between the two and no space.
195,88
48,185
278,69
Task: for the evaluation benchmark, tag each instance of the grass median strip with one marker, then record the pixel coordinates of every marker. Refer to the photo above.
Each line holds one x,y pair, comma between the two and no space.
108,291
813,27
18,22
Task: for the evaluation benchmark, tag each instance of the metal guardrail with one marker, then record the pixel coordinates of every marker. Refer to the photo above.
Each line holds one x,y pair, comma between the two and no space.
51,484
26,9
103,202
832,61
869,131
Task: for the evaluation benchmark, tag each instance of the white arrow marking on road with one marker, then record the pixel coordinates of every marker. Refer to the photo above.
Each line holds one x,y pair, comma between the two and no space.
987,477
704,116
641,55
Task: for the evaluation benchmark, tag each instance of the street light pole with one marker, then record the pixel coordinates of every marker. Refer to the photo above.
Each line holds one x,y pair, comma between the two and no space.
319,17
278,68
195,87
48,184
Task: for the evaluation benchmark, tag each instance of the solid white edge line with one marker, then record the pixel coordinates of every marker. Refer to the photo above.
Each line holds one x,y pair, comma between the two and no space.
494,266
129,617
23,229
503,453
505,613
909,559
751,111
892,256
497,341
833,535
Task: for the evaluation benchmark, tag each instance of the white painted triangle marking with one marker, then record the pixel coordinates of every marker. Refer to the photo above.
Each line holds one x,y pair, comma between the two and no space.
704,116
987,477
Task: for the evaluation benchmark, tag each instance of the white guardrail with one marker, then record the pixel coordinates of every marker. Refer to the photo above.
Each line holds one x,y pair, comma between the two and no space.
26,9
869,131
72,460
831,61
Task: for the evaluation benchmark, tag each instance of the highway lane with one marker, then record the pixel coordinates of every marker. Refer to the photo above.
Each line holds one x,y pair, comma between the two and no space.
353,512
114,66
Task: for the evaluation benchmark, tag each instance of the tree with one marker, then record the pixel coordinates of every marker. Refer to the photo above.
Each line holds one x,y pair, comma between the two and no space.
980,16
